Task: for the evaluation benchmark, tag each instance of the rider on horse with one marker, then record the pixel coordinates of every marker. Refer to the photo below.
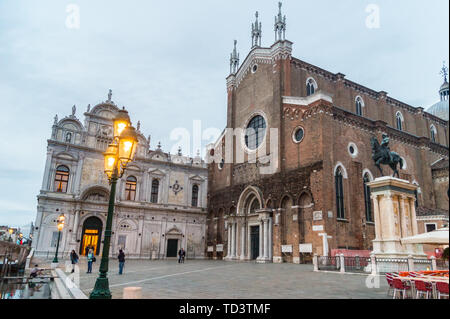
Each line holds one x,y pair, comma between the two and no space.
385,146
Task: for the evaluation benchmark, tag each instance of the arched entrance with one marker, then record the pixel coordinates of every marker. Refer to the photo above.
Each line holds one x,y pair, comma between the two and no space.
91,235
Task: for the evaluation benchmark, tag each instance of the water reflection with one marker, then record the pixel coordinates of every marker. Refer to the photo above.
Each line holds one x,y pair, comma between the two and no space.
33,289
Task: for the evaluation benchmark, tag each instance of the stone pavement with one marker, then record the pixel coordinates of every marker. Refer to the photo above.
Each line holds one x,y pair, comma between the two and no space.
219,279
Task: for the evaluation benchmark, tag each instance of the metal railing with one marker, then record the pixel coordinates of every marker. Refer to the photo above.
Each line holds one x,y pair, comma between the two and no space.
422,264
328,263
356,263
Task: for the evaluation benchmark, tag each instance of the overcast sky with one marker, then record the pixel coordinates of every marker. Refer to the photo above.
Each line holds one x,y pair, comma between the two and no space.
167,61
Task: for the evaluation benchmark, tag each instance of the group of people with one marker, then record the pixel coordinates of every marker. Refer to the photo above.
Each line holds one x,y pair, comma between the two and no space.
90,257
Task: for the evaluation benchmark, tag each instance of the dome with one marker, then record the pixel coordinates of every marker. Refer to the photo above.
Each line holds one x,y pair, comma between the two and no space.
439,109
444,86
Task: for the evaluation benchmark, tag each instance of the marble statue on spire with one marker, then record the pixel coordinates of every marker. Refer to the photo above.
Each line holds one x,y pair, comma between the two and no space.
74,109
280,25
55,119
256,32
138,126
109,95
234,60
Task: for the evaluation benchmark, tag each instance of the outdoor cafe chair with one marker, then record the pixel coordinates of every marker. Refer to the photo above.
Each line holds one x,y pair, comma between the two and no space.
401,287
442,288
423,288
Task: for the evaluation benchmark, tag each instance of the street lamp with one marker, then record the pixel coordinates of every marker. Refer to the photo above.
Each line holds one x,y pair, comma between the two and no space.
60,224
117,156
10,233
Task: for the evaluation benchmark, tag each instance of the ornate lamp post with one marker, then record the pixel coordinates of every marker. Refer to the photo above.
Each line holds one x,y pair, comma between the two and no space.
60,222
10,233
117,156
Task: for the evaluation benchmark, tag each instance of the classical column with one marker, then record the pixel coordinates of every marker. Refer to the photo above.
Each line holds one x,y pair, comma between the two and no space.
403,221
266,238
46,178
376,208
233,239
229,240
260,239
270,237
79,171
243,241
249,242
412,206
75,225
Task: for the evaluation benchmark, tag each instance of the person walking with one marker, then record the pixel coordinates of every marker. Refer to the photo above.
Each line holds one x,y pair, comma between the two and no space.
86,250
183,255
121,258
90,260
73,259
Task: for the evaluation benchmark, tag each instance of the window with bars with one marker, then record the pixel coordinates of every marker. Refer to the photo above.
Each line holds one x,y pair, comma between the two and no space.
367,202
61,178
130,188
195,195
255,131
339,194
155,189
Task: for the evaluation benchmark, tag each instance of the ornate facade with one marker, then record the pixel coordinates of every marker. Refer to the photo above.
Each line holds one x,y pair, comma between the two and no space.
160,200
313,127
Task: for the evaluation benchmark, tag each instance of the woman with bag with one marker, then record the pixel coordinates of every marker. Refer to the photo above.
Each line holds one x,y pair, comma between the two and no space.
73,259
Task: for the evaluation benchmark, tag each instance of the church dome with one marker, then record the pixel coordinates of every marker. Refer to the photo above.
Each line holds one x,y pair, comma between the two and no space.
444,86
439,109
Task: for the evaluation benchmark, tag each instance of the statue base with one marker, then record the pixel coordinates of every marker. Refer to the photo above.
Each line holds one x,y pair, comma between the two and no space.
395,218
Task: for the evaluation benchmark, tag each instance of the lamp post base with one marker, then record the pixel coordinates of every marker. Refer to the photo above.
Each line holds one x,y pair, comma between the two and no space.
101,289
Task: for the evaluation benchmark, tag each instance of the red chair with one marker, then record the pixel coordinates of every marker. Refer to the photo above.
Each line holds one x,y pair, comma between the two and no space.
423,288
389,281
442,288
400,286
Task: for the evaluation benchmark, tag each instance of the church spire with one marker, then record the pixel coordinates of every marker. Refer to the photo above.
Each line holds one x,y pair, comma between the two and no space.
256,32
444,90
280,25
234,60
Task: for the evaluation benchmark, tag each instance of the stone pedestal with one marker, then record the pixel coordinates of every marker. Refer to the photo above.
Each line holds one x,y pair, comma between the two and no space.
395,217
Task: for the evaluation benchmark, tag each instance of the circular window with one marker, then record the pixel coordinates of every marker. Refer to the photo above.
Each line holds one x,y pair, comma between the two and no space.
298,134
255,132
254,68
221,164
352,150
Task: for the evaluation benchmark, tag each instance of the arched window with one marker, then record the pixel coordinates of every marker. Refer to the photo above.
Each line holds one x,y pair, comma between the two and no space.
399,121
195,195
367,203
61,178
433,133
130,188
339,193
359,103
155,189
311,87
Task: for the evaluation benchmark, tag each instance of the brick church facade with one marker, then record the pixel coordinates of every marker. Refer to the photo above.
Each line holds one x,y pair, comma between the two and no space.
313,127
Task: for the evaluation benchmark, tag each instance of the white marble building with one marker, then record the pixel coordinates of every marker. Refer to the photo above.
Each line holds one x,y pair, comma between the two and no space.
160,200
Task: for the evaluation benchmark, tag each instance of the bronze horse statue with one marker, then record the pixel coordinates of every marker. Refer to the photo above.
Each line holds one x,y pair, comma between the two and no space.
381,154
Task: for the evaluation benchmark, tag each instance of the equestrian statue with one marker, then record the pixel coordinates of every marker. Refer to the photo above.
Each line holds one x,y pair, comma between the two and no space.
381,154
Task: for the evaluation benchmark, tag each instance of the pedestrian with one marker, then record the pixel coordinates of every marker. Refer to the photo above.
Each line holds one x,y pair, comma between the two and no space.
90,260
121,258
35,271
179,256
86,250
183,254
73,259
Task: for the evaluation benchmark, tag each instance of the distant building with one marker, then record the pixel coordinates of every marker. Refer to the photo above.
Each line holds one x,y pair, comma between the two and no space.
160,200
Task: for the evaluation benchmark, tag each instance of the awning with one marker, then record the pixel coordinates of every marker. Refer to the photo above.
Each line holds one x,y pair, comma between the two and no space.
439,237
